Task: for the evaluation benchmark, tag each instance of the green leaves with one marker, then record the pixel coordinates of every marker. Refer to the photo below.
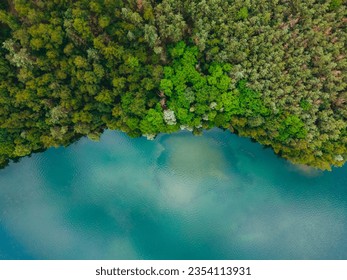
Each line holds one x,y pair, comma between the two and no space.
166,86
191,85
153,122
276,73
292,127
242,13
250,101
335,4
189,89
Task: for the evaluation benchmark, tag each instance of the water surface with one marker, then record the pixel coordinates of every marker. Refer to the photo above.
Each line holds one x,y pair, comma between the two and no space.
218,196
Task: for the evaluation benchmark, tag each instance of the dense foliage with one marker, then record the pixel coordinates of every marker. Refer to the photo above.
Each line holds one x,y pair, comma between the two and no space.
273,70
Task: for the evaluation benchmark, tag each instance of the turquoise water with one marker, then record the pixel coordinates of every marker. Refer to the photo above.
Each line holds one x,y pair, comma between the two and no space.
218,196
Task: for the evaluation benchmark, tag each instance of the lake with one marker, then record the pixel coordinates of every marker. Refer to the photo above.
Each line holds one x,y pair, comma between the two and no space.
216,196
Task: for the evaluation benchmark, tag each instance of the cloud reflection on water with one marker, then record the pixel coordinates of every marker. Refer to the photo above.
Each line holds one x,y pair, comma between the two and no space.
180,196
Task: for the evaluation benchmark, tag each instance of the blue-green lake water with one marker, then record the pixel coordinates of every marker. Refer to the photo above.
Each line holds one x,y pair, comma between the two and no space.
218,196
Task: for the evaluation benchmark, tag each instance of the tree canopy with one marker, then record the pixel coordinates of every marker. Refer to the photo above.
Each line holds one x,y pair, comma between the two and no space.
275,71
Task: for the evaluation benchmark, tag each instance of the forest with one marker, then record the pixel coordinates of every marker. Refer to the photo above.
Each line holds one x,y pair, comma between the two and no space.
271,70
